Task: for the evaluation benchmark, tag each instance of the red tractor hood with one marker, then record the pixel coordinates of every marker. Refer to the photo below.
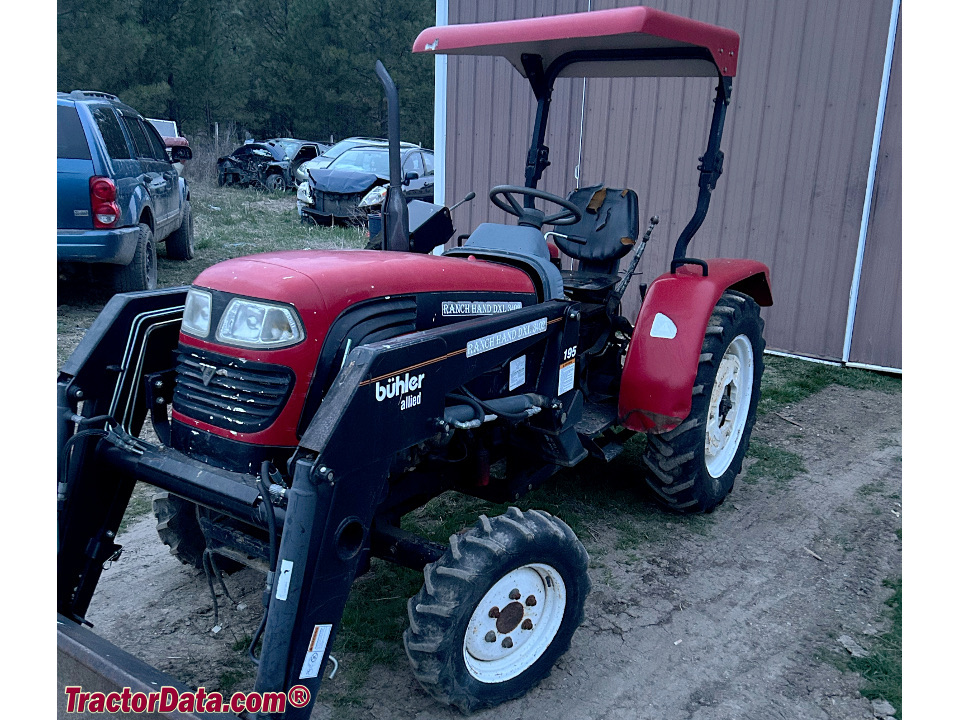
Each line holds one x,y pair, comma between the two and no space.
325,282
321,285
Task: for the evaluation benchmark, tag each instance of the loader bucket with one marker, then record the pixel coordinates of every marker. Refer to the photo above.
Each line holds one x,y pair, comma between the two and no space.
87,661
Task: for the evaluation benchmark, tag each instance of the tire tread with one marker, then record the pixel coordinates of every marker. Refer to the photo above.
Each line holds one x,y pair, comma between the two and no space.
676,459
431,641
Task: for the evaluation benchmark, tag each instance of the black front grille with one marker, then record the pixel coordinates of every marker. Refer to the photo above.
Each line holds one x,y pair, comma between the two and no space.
338,204
237,395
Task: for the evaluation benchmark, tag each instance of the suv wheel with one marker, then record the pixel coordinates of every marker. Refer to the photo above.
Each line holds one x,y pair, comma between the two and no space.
141,273
180,243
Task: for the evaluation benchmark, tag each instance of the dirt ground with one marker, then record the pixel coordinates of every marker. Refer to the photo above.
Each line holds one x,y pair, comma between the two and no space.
738,614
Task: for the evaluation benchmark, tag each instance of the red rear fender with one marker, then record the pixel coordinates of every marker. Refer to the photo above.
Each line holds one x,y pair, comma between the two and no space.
664,353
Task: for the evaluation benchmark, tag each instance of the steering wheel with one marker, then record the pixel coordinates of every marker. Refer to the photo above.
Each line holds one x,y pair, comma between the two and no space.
570,215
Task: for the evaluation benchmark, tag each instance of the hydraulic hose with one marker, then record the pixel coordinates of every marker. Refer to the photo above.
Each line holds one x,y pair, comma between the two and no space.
472,402
263,481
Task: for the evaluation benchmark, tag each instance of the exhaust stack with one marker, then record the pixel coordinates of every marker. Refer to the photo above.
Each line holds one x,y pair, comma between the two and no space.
396,234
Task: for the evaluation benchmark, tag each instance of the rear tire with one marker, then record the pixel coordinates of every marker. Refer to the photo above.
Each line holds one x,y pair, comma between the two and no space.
497,609
692,468
180,245
141,273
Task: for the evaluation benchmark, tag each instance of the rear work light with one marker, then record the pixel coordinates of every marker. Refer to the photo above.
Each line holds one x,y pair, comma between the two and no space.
103,195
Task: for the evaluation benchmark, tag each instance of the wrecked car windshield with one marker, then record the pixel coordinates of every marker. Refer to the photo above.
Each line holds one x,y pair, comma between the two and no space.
339,148
373,160
289,148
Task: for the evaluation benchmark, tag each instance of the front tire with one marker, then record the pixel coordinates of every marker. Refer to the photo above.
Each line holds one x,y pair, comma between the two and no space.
497,610
274,182
692,468
178,528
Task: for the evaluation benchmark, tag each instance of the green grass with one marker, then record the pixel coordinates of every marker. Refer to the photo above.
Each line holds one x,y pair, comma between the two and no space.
772,464
882,669
790,380
371,630
230,679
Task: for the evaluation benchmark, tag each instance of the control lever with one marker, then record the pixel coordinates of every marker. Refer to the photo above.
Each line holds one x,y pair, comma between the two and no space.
617,294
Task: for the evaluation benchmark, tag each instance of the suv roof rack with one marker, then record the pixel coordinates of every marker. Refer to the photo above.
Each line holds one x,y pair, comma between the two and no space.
94,93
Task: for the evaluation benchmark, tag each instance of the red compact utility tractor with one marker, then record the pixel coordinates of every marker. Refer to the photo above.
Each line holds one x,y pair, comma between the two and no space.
306,401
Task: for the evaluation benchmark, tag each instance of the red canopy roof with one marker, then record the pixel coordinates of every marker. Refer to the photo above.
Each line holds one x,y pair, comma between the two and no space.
619,29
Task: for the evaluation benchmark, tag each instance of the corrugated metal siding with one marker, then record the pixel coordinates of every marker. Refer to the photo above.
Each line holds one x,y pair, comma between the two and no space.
797,145
877,328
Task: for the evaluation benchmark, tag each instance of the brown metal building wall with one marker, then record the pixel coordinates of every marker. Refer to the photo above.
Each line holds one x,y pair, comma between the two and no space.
797,145
878,325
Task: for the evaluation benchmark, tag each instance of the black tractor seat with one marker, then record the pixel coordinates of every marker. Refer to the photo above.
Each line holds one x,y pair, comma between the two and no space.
607,231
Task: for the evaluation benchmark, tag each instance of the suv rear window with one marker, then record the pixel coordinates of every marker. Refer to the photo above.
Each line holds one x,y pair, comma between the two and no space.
71,141
113,137
156,142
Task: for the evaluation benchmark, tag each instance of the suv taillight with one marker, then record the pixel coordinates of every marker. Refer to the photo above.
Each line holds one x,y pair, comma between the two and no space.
103,195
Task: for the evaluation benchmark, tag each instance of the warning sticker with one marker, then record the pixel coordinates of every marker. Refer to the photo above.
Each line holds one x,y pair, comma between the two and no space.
283,579
568,372
518,371
315,650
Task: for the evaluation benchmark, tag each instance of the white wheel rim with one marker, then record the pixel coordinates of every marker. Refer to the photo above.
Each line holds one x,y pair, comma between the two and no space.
729,405
514,623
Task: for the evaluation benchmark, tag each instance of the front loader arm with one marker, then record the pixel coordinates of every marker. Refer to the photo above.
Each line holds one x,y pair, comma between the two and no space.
135,335
389,396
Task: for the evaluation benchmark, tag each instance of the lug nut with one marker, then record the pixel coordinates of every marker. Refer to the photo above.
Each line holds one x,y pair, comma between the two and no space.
526,624
491,636
531,601
494,612
514,594
507,643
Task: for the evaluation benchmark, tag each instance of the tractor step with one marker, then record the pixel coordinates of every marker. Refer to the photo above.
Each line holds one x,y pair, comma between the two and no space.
596,430
611,450
597,417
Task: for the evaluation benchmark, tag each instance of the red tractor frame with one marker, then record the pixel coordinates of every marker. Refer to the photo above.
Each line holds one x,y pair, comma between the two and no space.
306,401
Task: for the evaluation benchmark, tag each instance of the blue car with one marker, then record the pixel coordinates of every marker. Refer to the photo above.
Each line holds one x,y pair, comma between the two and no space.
118,193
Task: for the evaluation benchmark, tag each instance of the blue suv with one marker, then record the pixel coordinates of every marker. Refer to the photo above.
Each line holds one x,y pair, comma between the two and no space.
118,193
